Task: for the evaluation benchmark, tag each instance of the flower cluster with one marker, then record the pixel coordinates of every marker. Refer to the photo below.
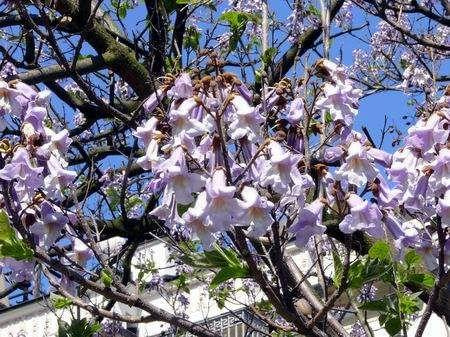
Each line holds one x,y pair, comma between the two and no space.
219,163
34,174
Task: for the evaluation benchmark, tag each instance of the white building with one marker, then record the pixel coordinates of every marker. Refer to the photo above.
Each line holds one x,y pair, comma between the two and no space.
36,318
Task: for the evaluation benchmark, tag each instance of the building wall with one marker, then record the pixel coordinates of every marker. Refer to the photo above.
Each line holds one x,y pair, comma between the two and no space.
37,320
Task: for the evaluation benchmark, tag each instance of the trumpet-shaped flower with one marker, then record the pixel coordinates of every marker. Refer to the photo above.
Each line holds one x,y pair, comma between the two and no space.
363,216
223,208
309,223
247,121
256,211
21,168
182,87
358,168
178,179
281,168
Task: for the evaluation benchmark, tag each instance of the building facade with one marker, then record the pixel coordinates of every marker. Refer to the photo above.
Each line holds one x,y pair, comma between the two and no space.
36,318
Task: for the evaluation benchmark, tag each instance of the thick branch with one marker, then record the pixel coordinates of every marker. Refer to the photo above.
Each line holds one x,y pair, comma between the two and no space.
56,72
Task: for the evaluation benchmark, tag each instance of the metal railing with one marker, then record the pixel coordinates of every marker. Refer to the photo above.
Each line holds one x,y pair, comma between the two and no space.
241,323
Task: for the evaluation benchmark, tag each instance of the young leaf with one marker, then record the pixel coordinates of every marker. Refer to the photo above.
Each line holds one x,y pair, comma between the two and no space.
424,280
338,269
106,278
228,273
380,250
61,302
268,56
17,249
378,305
412,259
6,231
393,325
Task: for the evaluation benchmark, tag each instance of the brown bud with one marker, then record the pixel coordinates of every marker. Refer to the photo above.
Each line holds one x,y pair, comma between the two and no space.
28,220
5,146
303,306
316,128
280,135
321,169
38,198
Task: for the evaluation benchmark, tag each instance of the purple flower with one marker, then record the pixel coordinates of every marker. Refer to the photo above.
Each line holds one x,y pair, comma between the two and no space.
35,117
244,92
256,211
19,271
21,168
246,121
427,133
50,224
155,282
380,157
443,209
333,154
341,101
153,101
151,156
196,219
404,163
179,181
148,132
223,209
367,293
167,210
363,216
440,177
280,169
386,197
357,168
309,223
58,176
56,141
81,252
182,87
415,197
357,330
296,111
181,121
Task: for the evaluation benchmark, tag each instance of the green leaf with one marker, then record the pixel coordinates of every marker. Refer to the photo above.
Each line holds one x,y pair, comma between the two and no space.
380,250
268,56
192,38
378,305
114,198
78,328
181,209
338,269
6,231
122,12
226,273
328,117
106,278
60,302
409,304
393,326
17,249
181,282
412,259
425,280
313,10
132,201
238,21
356,274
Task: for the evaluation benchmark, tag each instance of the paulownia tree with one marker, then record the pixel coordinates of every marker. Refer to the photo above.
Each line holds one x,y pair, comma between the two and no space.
229,130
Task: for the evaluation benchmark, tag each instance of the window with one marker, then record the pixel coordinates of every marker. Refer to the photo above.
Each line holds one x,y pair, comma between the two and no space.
237,324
